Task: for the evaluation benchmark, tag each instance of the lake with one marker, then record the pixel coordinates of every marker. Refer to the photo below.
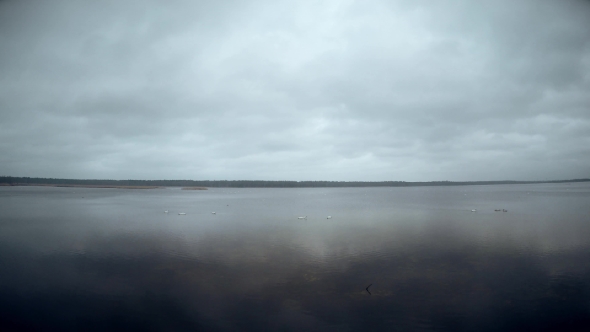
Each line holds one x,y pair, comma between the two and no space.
388,259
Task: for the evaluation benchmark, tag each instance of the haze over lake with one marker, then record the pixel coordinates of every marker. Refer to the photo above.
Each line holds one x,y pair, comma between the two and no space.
112,259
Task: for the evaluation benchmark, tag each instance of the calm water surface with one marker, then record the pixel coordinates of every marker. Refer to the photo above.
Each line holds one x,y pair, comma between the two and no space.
75,259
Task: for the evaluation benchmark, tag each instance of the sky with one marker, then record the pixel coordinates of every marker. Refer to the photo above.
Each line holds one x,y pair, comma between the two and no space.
335,90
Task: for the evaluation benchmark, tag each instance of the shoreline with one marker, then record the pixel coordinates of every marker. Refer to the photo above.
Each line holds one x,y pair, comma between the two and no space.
205,184
78,186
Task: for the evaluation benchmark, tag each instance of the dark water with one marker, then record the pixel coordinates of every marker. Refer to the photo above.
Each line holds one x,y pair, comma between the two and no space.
111,259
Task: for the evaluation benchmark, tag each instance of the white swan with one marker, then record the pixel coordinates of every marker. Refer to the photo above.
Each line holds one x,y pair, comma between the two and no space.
212,212
302,217
329,217
181,214
166,211
474,210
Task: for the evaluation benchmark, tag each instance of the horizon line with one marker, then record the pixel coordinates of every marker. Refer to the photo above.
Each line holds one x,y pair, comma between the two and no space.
3,177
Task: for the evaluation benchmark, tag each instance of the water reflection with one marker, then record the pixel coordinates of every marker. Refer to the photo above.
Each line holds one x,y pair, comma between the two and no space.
115,261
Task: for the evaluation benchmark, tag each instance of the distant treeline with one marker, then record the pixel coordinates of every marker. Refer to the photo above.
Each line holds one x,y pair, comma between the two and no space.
14,181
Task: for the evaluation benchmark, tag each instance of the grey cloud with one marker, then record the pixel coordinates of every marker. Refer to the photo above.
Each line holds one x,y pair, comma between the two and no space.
336,90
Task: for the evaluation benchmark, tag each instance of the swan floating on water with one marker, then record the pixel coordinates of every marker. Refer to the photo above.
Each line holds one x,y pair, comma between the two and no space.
166,211
329,217
474,210
302,217
212,212
182,214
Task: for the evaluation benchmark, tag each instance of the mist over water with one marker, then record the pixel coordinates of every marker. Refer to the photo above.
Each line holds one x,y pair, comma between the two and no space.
111,259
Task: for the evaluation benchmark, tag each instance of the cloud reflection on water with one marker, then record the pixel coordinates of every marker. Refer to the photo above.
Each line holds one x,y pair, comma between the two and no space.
115,261
434,278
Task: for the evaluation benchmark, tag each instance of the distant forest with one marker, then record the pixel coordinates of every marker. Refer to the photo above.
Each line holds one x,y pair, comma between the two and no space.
16,181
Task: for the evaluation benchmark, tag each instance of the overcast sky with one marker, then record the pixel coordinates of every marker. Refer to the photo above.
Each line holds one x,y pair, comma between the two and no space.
295,90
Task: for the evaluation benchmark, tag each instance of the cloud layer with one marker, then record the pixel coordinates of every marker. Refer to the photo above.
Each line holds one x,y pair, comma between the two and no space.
337,90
